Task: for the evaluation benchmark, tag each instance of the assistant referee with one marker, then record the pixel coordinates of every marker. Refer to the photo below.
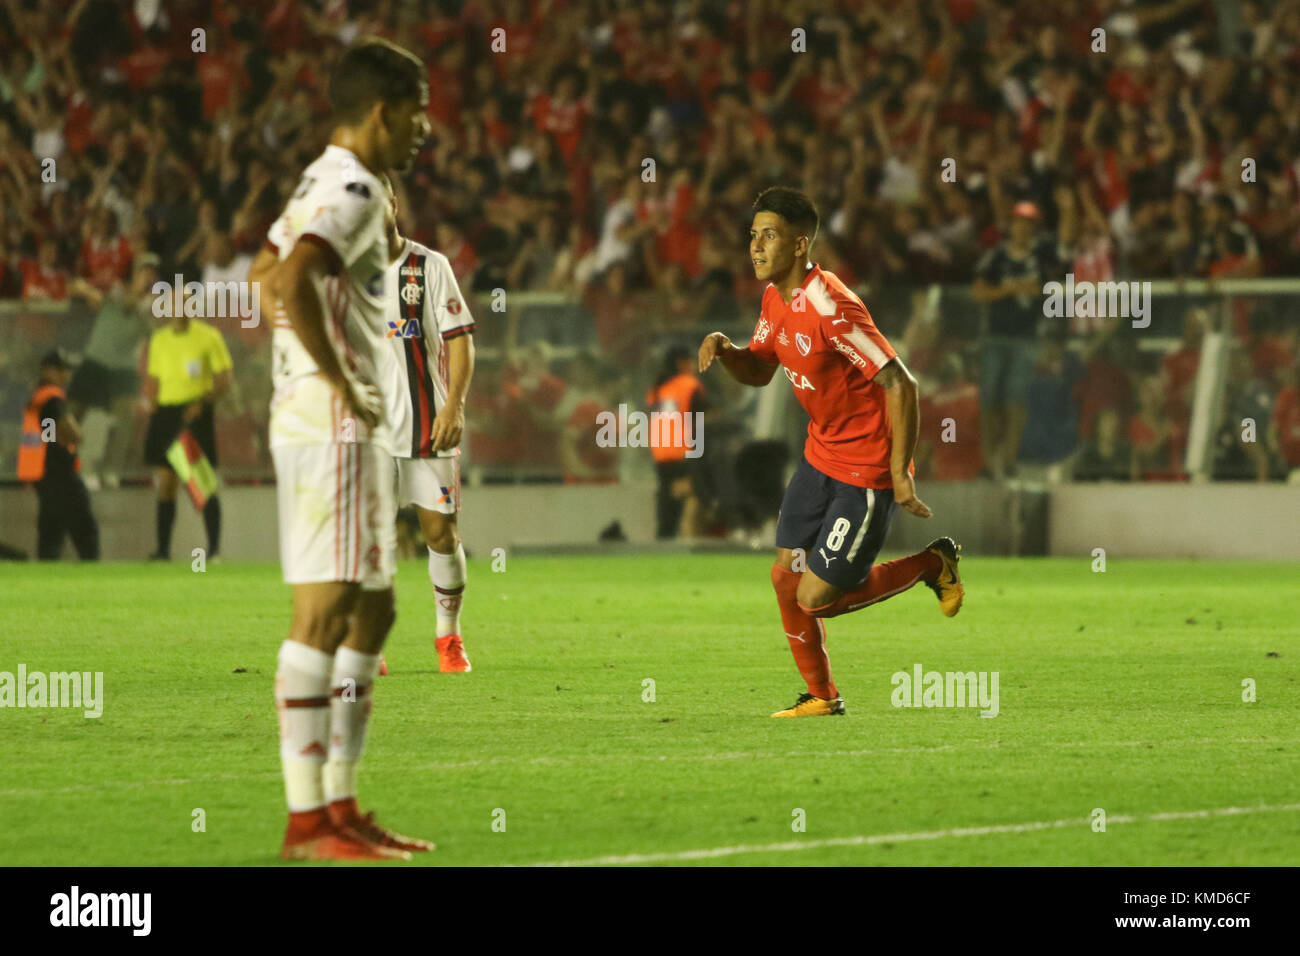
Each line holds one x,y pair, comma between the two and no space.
189,370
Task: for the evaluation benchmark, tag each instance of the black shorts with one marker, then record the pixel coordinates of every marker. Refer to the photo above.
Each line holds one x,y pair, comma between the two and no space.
96,385
165,424
841,528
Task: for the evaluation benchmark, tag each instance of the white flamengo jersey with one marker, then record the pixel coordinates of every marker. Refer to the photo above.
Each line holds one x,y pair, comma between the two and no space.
340,205
424,310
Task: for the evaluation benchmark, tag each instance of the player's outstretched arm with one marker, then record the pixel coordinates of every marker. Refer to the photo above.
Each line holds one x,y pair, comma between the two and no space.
903,405
745,367
296,283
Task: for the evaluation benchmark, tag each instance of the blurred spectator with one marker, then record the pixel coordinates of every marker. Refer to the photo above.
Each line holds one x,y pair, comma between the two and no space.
1107,454
11,276
1241,437
590,391
1010,279
103,390
1284,424
950,425
1107,379
105,258
1148,432
43,279
1052,424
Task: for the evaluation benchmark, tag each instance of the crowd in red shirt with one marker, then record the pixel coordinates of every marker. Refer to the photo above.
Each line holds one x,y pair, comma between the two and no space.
544,112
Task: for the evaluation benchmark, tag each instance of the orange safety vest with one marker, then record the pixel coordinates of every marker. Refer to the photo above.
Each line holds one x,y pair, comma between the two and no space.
674,395
31,449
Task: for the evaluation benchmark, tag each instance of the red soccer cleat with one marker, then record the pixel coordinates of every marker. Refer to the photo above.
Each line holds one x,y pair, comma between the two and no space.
383,666
451,655
313,836
346,815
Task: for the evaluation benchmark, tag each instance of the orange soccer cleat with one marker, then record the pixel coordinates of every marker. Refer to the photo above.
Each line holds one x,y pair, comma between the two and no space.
321,839
346,815
383,666
451,655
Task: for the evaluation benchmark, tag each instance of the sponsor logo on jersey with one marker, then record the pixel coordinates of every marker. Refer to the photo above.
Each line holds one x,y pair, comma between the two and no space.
849,350
800,382
403,329
803,343
453,306
781,337
763,331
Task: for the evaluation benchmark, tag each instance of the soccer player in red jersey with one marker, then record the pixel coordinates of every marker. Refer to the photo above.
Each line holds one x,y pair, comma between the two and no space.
856,469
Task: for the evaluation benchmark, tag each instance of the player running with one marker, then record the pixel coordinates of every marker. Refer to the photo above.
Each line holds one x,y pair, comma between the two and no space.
856,468
332,451
430,335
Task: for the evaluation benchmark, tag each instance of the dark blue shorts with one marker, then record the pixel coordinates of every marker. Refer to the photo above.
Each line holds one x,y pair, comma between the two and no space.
841,528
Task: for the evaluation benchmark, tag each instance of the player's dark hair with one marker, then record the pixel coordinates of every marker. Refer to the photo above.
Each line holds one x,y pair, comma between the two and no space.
374,71
792,206
668,370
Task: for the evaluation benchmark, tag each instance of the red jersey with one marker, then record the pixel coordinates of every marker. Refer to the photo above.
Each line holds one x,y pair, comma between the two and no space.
831,350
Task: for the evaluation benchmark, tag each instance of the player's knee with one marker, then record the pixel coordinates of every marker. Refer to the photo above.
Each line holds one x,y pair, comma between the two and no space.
784,580
815,596
319,628
442,536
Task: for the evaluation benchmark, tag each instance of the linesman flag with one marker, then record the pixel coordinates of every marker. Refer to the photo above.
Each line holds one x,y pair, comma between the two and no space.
193,468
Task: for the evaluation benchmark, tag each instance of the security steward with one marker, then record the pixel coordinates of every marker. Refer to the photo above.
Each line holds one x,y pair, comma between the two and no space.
47,458
683,484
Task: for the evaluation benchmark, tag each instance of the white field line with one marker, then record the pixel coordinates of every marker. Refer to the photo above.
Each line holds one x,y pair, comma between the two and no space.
791,846
571,759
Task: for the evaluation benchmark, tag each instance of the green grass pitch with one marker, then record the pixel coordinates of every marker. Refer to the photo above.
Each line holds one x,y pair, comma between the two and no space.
1119,690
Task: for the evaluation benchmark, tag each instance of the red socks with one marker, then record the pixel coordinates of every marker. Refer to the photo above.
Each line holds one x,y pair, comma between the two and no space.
884,581
806,635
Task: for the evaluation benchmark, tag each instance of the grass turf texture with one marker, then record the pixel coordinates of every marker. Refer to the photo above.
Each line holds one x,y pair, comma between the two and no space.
1120,690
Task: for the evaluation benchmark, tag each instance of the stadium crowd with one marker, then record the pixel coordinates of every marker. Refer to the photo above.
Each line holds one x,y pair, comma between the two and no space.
178,128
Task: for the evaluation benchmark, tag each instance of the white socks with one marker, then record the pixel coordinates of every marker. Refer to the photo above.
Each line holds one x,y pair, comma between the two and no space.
354,678
324,705
447,573
302,697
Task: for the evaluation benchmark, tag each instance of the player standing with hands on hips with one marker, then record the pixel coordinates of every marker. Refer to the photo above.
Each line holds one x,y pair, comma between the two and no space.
325,261
856,468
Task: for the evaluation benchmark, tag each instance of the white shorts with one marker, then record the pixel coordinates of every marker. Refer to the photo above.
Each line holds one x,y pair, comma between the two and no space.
336,513
431,483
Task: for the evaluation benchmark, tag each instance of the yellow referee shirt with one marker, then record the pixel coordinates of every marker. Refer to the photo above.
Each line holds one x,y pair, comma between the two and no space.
185,362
